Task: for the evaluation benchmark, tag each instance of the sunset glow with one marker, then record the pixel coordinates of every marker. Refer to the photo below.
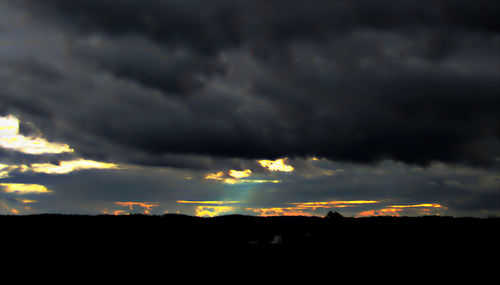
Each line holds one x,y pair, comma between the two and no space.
398,210
330,204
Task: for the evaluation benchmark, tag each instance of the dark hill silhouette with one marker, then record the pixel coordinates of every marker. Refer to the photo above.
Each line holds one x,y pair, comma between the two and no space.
344,236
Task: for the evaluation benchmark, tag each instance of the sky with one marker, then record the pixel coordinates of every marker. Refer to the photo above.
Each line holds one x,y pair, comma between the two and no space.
264,108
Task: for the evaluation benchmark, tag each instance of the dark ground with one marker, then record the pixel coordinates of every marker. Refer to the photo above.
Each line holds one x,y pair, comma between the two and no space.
411,235
377,248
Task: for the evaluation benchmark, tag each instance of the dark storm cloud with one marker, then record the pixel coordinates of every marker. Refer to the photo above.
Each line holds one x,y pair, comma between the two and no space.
415,81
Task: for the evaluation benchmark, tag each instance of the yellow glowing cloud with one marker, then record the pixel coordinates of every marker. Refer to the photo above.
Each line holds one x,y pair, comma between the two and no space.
237,181
215,176
417,206
208,202
26,201
212,211
240,174
259,181
69,166
236,177
11,139
9,126
276,165
330,204
20,188
4,170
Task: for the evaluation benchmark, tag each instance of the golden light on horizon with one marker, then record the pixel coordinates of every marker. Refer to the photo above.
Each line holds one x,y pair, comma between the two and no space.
307,208
115,212
280,211
276,165
21,188
397,210
208,209
212,211
11,139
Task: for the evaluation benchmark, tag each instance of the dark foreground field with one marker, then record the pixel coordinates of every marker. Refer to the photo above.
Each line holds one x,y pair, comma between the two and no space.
161,234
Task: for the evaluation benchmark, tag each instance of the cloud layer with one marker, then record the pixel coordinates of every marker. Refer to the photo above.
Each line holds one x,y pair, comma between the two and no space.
353,81
212,86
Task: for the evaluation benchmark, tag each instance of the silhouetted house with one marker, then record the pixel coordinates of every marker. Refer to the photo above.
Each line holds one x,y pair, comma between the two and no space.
334,216
276,240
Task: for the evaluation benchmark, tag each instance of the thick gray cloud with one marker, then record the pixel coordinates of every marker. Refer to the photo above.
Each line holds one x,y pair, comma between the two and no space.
411,81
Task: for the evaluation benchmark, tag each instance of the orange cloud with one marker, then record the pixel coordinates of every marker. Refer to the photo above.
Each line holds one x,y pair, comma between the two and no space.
381,212
147,206
396,210
115,212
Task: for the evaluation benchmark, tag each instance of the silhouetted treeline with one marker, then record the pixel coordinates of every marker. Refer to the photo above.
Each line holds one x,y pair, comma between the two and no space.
378,235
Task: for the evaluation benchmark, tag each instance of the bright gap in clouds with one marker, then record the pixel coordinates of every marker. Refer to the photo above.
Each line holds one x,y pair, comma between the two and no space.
11,139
